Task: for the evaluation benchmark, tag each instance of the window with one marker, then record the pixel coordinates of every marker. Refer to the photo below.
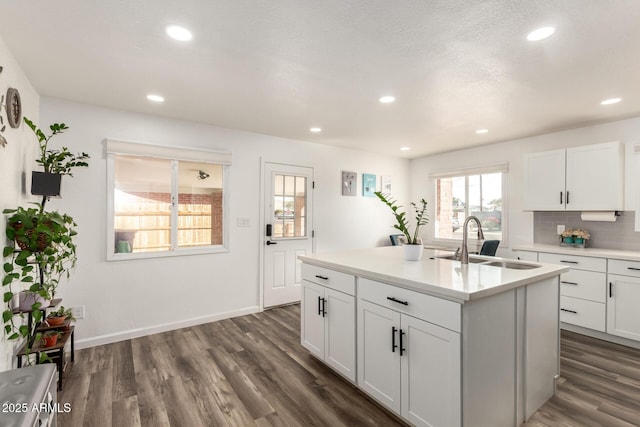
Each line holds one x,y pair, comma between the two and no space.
165,201
479,193
290,203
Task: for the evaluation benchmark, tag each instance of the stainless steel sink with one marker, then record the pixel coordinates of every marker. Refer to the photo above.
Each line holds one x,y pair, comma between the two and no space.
512,265
457,258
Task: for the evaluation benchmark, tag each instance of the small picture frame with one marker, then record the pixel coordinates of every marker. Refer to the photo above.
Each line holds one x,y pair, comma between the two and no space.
349,182
368,184
386,184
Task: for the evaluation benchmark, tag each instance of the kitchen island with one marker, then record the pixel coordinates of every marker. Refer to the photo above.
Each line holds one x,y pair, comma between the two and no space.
437,342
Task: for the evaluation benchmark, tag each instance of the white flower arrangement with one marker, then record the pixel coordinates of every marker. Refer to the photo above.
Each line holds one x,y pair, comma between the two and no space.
576,233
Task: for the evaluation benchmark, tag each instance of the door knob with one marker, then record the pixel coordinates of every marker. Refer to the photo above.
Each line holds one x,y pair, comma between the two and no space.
271,242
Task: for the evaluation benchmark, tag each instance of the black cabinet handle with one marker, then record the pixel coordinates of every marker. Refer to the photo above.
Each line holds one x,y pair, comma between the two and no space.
567,197
393,339
633,268
402,349
324,307
569,311
398,301
569,262
322,277
319,306
610,290
561,197
569,283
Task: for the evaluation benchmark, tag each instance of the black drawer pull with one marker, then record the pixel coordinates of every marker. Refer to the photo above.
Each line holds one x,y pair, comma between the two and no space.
569,311
610,290
398,301
393,339
569,283
402,349
633,268
322,277
570,262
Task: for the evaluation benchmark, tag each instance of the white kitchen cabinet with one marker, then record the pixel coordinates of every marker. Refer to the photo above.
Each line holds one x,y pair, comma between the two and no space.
527,256
623,317
328,319
582,289
410,365
585,178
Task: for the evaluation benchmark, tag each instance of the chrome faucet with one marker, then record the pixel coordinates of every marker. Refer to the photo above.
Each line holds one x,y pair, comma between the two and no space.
464,258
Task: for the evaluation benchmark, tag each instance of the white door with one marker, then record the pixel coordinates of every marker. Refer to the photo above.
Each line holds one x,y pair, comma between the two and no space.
288,232
544,181
623,318
379,353
430,378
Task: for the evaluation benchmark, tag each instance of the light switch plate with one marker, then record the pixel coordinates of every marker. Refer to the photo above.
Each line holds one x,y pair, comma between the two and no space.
78,312
560,229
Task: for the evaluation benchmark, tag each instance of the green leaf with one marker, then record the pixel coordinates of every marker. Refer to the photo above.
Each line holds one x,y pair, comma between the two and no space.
7,315
8,296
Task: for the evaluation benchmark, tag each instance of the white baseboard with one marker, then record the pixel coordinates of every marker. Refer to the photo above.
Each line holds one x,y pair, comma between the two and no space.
141,332
600,335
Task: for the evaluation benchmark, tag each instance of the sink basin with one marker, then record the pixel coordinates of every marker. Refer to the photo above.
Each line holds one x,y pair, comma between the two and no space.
512,265
455,258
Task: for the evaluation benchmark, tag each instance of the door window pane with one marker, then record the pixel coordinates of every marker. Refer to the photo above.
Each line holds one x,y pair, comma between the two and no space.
289,206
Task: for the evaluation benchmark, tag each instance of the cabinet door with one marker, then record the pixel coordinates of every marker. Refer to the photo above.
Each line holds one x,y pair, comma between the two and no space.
312,320
623,317
430,374
528,256
544,181
378,360
340,333
595,176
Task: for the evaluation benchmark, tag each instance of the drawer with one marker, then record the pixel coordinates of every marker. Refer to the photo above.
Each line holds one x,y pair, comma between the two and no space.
426,307
624,268
583,284
329,278
527,256
587,314
575,261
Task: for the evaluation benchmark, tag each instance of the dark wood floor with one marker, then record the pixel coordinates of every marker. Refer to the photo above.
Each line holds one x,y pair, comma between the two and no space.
251,370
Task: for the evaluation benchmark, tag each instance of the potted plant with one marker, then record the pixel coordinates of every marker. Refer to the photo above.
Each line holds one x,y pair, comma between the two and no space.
41,252
413,246
59,316
50,338
54,162
575,237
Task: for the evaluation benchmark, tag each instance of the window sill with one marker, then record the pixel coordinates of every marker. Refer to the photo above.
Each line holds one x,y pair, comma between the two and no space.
166,254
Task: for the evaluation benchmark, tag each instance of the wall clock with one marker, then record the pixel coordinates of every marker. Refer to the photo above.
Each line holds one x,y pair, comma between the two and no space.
14,108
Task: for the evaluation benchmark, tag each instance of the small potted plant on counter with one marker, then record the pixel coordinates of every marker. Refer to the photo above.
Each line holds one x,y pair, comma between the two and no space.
575,237
413,243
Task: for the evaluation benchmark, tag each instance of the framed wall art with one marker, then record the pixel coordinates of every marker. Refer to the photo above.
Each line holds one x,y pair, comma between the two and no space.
368,184
349,183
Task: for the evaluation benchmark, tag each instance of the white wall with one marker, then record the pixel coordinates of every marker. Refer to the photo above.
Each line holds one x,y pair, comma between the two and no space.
520,223
16,159
126,298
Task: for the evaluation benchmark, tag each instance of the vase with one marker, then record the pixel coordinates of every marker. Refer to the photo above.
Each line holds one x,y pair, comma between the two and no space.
27,299
568,239
413,252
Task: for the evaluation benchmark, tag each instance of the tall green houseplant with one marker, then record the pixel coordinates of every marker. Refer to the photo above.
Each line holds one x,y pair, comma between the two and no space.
402,223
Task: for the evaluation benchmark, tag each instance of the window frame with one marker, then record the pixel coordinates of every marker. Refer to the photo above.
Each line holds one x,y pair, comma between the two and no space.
175,155
480,170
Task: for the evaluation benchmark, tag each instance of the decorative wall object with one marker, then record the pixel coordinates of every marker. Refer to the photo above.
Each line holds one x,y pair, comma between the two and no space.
368,184
349,183
14,108
385,184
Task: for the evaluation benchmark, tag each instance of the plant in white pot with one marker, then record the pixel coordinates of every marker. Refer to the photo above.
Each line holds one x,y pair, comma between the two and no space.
413,247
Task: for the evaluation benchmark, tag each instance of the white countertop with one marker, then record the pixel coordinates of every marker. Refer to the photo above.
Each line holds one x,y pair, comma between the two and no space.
568,250
439,277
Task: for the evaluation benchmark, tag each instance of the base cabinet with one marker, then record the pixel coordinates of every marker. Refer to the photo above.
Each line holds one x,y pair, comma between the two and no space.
328,327
409,365
623,317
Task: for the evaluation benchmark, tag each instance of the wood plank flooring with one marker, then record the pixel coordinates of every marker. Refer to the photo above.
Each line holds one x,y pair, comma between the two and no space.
252,371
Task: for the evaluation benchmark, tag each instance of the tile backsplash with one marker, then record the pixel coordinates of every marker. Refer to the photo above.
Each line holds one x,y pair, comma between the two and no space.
604,235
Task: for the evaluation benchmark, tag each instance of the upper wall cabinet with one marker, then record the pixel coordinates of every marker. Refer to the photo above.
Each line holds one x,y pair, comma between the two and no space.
586,178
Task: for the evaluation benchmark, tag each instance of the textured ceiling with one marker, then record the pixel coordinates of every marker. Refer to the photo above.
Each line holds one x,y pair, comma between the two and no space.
280,67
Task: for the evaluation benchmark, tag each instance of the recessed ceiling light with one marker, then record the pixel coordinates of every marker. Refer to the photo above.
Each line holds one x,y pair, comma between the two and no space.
155,98
315,130
405,148
387,99
179,33
540,34
611,101
482,131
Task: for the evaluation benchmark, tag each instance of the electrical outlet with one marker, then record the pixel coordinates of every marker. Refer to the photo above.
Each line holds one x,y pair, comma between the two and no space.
560,229
78,312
